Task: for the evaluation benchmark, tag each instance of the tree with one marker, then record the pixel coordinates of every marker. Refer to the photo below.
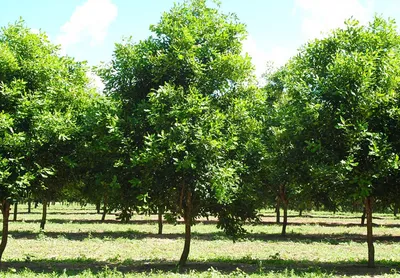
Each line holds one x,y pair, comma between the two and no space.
179,90
283,167
42,101
340,96
97,153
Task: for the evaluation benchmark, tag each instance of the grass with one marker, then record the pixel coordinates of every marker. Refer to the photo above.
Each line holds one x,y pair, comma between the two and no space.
75,243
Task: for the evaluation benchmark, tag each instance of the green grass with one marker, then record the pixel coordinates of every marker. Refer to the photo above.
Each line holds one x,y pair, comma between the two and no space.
76,244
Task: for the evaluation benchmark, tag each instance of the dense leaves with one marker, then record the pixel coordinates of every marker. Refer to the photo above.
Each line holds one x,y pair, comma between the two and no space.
45,104
339,107
178,90
42,104
182,128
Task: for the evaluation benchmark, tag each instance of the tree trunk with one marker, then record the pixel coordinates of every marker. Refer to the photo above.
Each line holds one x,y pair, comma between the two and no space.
285,215
98,207
284,200
36,204
103,217
363,217
300,213
278,209
29,206
44,215
5,211
395,210
160,220
370,239
15,211
187,217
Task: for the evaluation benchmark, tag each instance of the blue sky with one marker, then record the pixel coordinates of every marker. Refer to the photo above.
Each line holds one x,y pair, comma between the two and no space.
88,29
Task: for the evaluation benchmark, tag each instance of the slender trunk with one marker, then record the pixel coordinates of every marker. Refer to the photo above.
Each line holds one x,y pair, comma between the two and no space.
363,216
285,215
278,209
300,213
29,206
353,207
15,211
103,217
187,217
395,210
98,207
160,220
5,211
44,215
284,200
36,204
370,239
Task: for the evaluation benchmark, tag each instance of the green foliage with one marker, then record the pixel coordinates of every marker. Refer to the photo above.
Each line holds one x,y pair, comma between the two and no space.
182,128
193,138
181,93
43,102
338,100
191,143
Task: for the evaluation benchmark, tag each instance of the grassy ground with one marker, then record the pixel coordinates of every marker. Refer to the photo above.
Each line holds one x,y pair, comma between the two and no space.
76,243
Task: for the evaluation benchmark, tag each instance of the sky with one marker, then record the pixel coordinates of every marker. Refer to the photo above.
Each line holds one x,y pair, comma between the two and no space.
88,29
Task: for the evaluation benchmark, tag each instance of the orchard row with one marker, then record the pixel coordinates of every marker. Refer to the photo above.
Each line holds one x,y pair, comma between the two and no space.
184,129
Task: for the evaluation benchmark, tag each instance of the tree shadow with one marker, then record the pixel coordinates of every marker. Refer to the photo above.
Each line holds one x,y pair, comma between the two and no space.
205,222
74,212
222,265
335,217
316,216
111,235
331,224
333,239
59,213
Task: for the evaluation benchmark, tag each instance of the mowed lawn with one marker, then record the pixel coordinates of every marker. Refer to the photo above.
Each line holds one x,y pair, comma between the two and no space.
75,243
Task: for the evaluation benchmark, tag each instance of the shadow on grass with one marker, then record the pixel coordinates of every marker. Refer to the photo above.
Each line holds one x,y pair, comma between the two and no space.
205,222
222,265
327,216
273,216
79,212
333,239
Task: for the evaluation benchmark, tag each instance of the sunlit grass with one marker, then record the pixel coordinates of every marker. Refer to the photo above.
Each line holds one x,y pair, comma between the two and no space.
75,240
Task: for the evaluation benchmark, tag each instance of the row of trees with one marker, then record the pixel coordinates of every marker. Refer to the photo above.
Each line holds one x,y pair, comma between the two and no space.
183,129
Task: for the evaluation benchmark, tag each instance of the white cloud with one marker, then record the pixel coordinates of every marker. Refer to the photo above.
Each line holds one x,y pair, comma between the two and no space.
322,16
95,82
89,22
262,59
318,17
258,56
35,30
